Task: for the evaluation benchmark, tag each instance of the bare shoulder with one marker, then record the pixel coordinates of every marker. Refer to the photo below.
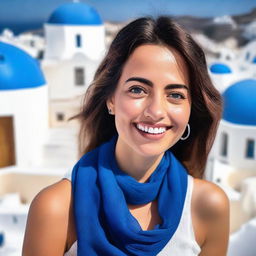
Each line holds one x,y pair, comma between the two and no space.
53,199
211,205
210,199
48,221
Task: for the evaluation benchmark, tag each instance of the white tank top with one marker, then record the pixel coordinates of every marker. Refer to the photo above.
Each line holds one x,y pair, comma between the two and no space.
183,242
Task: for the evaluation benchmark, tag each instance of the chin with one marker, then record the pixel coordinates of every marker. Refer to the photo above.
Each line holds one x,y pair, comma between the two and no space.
150,151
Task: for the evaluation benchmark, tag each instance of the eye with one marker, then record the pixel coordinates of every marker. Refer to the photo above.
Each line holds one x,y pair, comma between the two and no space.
137,90
176,95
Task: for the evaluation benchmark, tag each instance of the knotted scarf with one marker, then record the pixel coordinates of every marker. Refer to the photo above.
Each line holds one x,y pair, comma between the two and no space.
101,192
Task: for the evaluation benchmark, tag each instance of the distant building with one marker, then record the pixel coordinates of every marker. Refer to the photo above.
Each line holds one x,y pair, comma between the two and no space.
24,108
222,75
75,44
75,38
33,154
30,43
233,157
247,60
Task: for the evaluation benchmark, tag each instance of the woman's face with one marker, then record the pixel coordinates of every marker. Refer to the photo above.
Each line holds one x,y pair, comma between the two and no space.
152,101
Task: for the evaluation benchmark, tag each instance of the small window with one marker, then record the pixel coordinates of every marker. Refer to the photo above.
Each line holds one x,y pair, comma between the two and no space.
250,144
247,57
218,180
60,116
224,144
79,76
78,41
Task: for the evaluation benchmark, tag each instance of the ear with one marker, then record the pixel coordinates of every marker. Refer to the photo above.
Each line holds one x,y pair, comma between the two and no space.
111,105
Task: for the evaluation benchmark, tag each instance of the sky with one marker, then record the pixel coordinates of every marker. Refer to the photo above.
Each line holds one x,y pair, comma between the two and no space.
20,15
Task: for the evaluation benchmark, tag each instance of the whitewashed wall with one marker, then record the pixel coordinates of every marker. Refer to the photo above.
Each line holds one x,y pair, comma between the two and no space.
29,109
61,41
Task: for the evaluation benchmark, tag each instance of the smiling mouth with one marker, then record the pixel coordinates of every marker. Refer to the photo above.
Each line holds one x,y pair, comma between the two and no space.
151,129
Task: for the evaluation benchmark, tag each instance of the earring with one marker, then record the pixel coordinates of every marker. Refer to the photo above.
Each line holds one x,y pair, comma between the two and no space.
110,111
184,138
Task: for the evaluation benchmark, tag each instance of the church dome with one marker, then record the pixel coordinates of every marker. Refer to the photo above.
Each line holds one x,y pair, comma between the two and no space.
18,70
240,103
220,68
75,14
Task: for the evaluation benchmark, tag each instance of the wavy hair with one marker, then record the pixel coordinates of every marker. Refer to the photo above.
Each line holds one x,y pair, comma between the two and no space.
97,126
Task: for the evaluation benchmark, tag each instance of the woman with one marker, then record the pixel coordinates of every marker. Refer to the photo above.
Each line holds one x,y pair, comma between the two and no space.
147,125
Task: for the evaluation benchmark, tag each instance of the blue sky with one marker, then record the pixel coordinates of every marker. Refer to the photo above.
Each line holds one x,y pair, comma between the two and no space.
30,14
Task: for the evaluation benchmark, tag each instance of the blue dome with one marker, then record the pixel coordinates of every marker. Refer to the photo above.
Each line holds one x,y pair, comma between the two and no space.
240,103
219,68
75,14
18,70
254,60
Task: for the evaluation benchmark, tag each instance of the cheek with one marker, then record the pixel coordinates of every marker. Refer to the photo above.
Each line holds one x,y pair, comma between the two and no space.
128,109
180,114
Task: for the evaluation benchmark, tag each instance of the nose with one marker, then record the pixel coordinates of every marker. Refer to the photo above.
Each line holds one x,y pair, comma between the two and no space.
155,108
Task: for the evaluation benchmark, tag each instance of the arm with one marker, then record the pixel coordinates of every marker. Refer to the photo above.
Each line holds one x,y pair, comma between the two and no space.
48,221
213,208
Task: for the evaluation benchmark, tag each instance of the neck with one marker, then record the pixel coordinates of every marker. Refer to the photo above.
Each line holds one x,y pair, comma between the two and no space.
137,166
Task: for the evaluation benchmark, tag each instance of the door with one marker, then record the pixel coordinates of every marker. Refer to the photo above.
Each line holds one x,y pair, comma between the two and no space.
7,151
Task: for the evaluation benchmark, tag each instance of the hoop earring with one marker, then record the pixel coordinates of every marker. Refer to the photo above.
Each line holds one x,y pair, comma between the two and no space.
184,138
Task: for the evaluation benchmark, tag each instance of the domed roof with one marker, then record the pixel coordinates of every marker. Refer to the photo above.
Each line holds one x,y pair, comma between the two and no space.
75,14
18,70
254,60
220,68
240,103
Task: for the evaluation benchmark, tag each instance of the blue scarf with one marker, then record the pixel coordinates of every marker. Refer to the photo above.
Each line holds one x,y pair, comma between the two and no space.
101,193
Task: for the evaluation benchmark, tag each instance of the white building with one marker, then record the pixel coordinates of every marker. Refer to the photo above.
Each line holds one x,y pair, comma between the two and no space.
75,44
235,144
32,155
232,163
222,75
23,131
247,59
30,43
24,108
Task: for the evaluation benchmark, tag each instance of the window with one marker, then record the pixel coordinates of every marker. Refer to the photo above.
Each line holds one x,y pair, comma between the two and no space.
218,180
79,76
247,57
250,149
224,144
78,41
60,116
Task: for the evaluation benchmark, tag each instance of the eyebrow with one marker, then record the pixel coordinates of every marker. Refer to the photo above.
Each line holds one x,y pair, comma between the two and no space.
149,83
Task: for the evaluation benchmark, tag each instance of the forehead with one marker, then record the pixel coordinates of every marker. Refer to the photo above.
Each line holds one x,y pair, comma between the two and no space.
155,61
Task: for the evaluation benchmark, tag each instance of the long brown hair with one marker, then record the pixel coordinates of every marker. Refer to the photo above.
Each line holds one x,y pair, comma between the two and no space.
97,126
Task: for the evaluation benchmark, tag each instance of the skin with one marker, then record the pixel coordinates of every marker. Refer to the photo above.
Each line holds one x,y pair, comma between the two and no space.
153,102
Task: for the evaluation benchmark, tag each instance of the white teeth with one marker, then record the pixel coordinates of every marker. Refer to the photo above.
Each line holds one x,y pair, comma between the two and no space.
151,129
162,130
141,127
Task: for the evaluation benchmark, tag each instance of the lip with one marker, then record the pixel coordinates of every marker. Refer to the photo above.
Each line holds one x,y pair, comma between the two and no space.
151,136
